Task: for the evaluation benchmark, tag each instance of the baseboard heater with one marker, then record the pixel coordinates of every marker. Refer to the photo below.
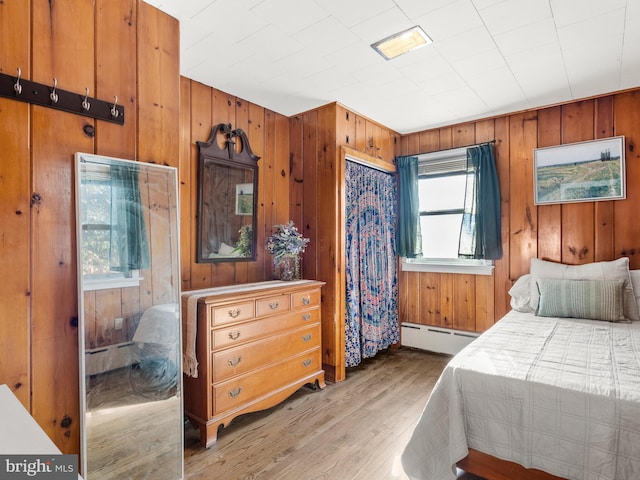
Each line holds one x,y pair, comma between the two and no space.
435,339
111,357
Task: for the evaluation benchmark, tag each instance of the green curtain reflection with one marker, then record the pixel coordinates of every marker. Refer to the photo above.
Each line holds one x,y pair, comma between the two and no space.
129,242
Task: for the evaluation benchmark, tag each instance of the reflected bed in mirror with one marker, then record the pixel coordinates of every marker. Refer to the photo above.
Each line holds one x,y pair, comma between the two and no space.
227,197
129,320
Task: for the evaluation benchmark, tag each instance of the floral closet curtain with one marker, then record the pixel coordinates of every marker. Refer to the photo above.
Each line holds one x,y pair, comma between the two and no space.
372,284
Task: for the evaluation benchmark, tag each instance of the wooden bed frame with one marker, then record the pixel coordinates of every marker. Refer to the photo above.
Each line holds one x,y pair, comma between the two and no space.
492,468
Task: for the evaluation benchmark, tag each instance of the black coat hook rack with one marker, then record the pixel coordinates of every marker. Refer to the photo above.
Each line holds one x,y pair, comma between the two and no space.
12,86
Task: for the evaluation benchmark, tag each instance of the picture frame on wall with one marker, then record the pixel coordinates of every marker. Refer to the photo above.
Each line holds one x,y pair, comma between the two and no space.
580,172
244,199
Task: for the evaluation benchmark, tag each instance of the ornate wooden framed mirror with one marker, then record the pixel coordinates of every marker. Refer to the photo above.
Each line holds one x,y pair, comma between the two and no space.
227,197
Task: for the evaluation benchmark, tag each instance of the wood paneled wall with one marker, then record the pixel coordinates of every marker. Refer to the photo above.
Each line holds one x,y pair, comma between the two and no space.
573,233
125,48
203,107
317,196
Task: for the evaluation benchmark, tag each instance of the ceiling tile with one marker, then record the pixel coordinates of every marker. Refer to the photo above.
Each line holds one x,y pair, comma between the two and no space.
527,37
326,36
565,13
505,16
353,12
287,14
450,20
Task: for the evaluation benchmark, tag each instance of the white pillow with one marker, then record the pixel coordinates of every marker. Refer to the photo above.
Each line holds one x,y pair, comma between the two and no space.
521,294
225,249
614,270
635,283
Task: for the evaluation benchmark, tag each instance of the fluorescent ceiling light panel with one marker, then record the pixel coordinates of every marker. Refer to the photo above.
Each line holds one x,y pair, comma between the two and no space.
402,42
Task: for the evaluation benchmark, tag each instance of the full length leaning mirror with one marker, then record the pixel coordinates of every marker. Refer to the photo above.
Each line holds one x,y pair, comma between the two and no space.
227,197
129,320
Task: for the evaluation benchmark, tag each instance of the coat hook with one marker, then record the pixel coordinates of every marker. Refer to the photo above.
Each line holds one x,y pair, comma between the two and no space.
17,87
114,110
53,95
85,103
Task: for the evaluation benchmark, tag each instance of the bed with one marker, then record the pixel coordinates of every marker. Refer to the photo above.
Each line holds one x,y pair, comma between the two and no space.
542,390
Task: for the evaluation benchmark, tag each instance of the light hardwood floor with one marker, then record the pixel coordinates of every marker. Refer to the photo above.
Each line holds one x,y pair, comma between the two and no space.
351,430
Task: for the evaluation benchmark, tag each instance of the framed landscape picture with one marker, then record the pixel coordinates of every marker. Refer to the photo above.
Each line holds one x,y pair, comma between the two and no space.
244,199
580,172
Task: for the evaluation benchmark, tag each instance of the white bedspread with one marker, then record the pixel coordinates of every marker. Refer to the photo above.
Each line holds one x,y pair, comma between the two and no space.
559,395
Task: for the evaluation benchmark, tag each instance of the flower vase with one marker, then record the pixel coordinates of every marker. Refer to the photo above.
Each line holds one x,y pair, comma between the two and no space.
286,267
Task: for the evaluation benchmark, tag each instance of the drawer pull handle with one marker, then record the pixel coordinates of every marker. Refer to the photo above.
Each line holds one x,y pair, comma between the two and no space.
306,300
306,317
307,337
306,362
234,313
234,362
235,392
234,335
274,305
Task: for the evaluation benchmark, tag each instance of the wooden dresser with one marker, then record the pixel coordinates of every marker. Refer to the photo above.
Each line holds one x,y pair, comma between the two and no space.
256,344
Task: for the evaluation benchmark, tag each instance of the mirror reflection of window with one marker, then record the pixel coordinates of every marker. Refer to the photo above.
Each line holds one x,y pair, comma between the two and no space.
114,238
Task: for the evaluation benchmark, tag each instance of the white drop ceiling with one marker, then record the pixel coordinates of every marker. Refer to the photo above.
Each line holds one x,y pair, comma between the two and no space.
488,57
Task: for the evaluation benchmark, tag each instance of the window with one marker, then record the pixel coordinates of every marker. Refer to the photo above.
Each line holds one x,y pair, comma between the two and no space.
96,225
441,190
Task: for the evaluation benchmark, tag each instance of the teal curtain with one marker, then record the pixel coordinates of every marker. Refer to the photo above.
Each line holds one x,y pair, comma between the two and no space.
408,235
480,231
129,242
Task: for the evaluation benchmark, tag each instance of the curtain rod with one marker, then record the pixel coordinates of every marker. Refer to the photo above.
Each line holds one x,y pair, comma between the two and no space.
458,148
447,152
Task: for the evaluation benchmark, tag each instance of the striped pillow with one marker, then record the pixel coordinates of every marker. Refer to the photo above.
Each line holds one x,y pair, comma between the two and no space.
592,299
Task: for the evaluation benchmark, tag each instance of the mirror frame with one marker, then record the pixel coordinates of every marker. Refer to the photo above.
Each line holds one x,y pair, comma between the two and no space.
235,153
148,311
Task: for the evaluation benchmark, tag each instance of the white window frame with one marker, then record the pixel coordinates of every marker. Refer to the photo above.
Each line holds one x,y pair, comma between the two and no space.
446,265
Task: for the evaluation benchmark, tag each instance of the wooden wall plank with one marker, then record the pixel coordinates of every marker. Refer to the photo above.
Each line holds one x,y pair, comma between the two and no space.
281,169
502,270
268,171
15,219
549,216
578,242
447,292
429,295
463,135
69,57
310,193
523,215
603,221
258,272
115,77
187,187
464,302
296,171
201,125
626,227
158,72
328,189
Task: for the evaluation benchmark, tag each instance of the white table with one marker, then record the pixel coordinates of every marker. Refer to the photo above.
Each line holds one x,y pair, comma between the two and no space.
20,433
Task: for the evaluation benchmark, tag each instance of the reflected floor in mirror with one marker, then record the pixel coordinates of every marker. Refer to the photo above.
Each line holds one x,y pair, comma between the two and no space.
128,423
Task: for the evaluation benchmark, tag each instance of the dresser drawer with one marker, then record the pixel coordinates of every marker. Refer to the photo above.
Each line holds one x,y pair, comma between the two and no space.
241,390
249,331
238,360
234,312
305,299
271,305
